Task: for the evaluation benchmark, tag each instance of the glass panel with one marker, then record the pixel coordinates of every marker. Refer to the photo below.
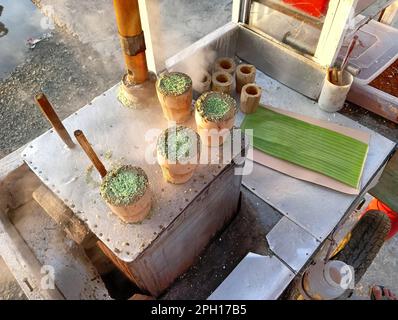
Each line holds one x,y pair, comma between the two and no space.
296,23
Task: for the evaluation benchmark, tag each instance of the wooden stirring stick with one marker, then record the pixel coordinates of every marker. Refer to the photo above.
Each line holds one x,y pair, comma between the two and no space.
344,62
81,138
332,75
335,76
53,118
348,54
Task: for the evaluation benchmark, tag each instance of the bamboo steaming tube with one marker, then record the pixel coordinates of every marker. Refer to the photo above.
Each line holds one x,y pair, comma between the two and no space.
174,91
204,84
225,64
178,153
215,117
124,189
245,73
222,82
250,98
333,95
126,192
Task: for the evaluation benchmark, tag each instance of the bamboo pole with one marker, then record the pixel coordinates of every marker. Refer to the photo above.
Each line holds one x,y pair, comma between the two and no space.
81,138
129,24
53,118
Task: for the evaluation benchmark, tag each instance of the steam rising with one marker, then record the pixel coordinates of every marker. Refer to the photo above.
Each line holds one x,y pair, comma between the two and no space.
176,24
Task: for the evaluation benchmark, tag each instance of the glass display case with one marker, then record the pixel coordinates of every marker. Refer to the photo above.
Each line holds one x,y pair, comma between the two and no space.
290,22
314,28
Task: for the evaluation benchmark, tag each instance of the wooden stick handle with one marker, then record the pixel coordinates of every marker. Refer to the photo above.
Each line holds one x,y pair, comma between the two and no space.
81,138
349,51
53,118
335,76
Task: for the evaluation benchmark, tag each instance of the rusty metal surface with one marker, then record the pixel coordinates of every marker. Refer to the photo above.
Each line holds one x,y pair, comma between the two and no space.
118,135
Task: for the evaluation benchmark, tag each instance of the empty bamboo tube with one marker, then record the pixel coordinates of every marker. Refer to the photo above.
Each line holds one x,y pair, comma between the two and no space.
225,64
222,82
204,84
245,73
250,98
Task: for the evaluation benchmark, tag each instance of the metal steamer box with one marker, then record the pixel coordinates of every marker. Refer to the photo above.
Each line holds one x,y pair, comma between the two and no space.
183,218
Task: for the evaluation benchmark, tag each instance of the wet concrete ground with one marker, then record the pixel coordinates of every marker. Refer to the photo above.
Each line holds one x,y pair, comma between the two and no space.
70,73
83,59
20,20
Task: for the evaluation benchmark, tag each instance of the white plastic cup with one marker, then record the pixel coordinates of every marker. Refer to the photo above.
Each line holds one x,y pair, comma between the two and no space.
333,96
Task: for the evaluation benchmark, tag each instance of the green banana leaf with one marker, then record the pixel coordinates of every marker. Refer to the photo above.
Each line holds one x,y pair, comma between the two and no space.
322,150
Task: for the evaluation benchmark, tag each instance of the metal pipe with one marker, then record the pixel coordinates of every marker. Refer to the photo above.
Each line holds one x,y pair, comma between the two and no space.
132,39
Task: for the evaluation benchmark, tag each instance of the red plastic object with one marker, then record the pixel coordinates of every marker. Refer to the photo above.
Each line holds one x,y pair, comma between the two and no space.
376,204
315,8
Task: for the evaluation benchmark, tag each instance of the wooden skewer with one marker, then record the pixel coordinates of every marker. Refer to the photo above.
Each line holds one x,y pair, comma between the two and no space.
81,138
346,58
330,77
349,51
335,76
53,118
339,77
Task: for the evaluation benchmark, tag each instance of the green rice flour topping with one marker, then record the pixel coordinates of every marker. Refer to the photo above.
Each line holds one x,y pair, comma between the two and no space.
124,185
174,83
215,106
178,143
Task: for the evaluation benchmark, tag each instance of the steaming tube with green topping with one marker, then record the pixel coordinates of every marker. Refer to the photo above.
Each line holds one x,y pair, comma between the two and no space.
215,117
124,185
216,106
178,153
178,143
174,91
